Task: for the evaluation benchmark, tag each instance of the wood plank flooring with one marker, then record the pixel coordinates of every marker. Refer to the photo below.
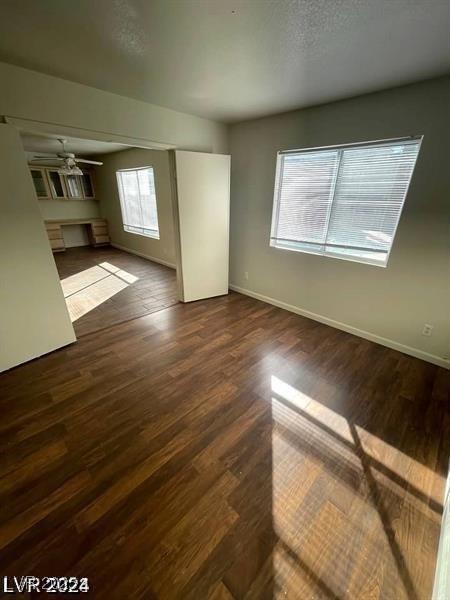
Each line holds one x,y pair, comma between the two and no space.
105,286
225,449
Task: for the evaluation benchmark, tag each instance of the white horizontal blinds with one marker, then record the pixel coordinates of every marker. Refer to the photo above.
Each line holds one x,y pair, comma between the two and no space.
148,199
343,201
305,197
130,201
369,196
138,201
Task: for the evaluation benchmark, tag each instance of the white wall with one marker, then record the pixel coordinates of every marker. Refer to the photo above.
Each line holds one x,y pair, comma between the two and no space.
27,94
33,316
388,305
163,249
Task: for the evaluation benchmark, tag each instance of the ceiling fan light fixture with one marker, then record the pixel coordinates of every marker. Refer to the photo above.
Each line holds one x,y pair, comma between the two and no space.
76,171
70,170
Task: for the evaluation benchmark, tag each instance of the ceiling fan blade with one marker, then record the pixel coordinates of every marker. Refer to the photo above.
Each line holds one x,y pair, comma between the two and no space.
89,162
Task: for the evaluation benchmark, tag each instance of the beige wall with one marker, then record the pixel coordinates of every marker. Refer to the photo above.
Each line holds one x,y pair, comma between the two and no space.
392,303
33,316
26,94
69,209
106,186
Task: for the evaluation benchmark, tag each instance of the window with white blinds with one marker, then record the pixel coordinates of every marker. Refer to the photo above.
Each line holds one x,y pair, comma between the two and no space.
138,201
343,201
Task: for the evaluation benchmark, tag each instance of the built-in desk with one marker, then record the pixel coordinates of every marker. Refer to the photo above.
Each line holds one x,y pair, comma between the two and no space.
97,229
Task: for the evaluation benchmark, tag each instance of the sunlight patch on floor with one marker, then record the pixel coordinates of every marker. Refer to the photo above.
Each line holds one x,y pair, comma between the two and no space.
109,267
75,283
324,415
333,480
307,506
88,289
398,463
128,277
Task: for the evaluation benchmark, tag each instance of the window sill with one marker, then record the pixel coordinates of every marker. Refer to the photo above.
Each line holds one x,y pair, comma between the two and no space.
153,236
349,258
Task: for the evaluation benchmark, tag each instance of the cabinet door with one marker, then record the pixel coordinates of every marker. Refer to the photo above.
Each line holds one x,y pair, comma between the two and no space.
88,186
74,187
40,183
56,182
203,207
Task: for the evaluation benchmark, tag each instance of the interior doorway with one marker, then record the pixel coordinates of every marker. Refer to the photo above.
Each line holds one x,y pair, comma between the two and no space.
110,225
128,194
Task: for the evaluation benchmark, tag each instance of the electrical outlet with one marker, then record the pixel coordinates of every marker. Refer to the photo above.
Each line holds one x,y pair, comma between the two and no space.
427,329
246,275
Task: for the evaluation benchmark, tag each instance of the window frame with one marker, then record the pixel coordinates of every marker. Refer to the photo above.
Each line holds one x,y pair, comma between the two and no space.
274,240
52,186
42,171
151,233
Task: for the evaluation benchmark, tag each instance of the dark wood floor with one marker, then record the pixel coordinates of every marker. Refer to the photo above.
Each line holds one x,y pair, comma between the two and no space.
225,449
105,286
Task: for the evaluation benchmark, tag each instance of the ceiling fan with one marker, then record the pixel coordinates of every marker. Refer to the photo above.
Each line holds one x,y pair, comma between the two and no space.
69,160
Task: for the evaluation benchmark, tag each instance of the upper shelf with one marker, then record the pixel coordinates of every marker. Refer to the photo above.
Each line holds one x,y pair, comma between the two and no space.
50,184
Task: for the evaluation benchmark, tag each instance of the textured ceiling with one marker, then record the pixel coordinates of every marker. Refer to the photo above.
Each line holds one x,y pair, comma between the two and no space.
40,144
230,59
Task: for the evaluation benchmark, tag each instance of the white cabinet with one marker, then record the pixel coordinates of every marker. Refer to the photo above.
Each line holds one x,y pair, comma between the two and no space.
50,184
40,182
87,185
56,183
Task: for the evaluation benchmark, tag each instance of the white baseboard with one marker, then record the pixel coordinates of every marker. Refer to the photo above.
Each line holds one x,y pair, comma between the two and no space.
142,255
435,360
